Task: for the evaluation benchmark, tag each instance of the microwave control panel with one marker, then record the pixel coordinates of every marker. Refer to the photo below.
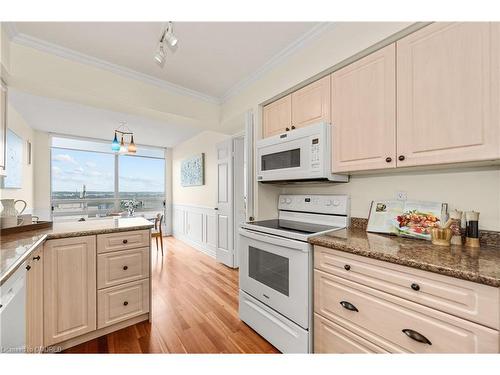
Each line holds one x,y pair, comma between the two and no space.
315,154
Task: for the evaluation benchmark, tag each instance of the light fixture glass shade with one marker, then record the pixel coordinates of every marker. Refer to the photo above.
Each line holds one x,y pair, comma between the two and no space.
115,146
171,39
132,148
122,146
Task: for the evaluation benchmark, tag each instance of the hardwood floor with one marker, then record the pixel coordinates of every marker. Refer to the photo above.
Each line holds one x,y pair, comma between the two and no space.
195,310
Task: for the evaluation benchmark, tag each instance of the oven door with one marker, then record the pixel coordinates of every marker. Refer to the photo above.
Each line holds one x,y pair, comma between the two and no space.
275,271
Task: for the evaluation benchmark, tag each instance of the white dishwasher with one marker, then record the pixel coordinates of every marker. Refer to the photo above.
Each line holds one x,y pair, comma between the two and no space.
13,312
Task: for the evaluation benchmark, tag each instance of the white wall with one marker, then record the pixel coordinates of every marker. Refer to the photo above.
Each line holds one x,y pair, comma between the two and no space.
41,158
205,195
18,125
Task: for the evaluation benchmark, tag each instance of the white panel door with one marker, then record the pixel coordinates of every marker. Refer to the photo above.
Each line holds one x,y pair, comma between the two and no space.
225,215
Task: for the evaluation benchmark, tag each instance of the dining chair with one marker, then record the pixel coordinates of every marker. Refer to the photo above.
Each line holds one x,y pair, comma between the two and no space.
157,233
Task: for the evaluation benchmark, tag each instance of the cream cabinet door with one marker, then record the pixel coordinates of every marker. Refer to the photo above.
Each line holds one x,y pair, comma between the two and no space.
448,93
311,104
69,288
34,302
364,113
277,117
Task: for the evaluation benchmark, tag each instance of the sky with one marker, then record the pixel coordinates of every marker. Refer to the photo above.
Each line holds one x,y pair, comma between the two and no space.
71,169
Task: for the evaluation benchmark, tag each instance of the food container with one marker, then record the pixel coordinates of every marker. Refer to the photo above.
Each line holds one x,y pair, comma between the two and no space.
441,236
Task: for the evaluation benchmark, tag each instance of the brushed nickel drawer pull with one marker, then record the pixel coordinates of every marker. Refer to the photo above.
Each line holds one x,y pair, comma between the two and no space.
414,335
349,306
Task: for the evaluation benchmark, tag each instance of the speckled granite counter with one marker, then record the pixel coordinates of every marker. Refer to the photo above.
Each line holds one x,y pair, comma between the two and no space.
16,248
478,265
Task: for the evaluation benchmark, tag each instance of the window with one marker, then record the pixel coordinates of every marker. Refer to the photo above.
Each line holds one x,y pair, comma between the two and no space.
88,180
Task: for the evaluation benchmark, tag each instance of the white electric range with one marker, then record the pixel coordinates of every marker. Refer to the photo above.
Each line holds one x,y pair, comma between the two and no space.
276,267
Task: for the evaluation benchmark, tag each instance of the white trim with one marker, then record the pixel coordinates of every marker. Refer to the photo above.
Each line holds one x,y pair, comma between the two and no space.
277,59
41,45
33,42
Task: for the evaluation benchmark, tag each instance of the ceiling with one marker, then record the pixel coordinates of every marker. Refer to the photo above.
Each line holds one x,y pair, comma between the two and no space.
63,117
212,58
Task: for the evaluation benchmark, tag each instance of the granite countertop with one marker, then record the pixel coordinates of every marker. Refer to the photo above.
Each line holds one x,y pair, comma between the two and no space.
16,248
480,265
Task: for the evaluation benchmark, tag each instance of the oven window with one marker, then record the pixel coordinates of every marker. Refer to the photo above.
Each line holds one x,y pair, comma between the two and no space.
269,269
281,160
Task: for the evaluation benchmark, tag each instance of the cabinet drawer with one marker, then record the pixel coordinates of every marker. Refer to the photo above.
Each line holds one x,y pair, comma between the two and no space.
122,266
472,301
122,241
388,316
122,302
332,338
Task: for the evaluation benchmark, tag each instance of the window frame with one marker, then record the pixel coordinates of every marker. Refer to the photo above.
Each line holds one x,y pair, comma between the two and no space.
116,193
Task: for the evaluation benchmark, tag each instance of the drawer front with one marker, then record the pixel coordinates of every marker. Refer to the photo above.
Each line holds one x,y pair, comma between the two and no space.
122,302
332,338
122,241
122,267
472,301
389,317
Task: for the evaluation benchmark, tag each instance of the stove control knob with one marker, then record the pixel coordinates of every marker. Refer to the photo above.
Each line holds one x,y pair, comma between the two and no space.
282,200
336,203
288,201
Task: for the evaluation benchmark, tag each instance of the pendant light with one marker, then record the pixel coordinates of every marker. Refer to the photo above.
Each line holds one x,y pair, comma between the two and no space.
120,147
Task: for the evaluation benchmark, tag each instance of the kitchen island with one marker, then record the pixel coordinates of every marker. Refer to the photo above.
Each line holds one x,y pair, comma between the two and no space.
83,279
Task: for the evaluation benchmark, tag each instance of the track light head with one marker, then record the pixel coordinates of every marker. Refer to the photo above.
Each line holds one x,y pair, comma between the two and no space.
160,54
167,39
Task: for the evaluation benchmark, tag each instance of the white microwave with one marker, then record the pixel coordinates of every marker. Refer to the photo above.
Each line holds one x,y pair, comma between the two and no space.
303,154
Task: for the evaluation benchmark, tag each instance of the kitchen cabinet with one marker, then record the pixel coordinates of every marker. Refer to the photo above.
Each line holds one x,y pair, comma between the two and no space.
306,106
277,117
364,113
69,288
34,302
311,104
366,305
448,77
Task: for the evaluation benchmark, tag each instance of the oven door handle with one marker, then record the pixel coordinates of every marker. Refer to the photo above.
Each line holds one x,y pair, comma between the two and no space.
276,240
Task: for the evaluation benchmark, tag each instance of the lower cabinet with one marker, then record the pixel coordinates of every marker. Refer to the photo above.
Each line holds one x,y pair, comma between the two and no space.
371,317
69,288
34,302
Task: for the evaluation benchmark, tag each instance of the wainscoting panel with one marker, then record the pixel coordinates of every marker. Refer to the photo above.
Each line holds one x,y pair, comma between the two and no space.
197,226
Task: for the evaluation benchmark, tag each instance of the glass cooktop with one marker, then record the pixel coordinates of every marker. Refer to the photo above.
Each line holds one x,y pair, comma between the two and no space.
292,226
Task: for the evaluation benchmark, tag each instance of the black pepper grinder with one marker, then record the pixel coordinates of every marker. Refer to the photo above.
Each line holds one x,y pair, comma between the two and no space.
472,229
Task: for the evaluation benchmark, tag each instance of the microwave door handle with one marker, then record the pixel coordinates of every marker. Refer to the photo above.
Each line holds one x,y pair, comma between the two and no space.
279,241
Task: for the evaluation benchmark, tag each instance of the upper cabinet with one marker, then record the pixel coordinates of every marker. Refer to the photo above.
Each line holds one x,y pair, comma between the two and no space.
311,104
448,78
277,117
364,113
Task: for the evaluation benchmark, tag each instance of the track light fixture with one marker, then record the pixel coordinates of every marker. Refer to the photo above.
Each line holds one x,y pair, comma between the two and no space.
167,39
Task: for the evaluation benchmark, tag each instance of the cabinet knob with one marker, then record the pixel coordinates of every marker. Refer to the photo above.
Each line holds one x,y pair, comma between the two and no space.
125,268
37,257
125,241
401,157
349,306
293,127
287,129
125,303
388,159
414,335
347,267
28,267
415,287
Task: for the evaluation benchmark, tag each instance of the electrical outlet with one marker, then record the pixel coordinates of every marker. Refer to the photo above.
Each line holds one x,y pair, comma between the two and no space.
401,195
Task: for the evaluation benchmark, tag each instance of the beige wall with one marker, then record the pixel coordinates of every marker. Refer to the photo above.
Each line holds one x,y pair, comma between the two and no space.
18,125
205,195
42,174
465,189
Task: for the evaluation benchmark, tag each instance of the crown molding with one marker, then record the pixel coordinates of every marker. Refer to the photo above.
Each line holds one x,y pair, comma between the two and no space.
277,59
29,41
10,28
